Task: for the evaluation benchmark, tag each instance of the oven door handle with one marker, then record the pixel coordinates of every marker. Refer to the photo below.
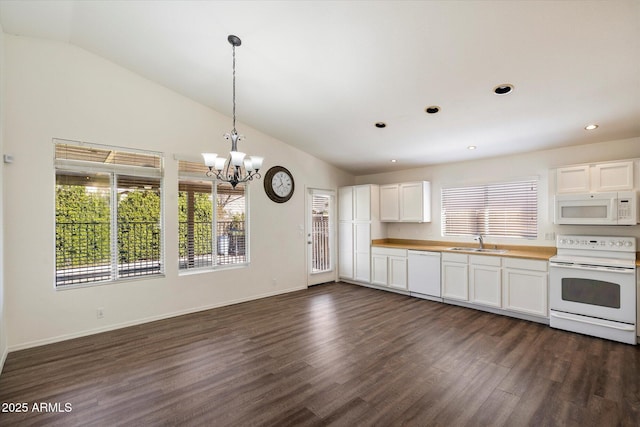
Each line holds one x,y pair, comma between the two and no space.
592,322
593,267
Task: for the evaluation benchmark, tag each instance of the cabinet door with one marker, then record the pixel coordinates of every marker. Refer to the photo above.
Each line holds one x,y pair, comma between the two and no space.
345,203
485,285
574,179
412,202
379,269
362,245
455,280
389,203
362,203
525,291
397,272
346,250
613,176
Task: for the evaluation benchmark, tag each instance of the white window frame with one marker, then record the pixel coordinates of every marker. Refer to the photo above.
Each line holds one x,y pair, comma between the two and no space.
113,170
193,176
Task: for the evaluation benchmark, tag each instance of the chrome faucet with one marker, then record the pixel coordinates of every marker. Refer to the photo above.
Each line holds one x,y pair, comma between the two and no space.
479,239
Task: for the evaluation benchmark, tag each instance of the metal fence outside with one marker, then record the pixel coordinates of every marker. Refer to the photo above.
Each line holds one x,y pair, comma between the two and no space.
83,251
320,255
196,244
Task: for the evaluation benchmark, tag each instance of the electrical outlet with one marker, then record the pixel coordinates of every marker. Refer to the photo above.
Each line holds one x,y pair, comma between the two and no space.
100,313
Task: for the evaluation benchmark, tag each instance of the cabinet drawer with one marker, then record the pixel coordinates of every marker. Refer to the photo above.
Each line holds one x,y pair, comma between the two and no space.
388,251
447,256
485,260
526,264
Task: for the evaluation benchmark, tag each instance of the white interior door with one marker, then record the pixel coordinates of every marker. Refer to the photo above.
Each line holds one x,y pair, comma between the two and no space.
321,236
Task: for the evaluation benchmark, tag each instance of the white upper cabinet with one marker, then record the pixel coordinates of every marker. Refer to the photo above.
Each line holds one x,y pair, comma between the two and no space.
390,202
574,179
415,201
406,202
362,203
355,203
345,203
613,176
599,177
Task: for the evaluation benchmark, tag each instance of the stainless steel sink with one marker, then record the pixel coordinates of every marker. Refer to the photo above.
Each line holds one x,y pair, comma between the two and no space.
483,250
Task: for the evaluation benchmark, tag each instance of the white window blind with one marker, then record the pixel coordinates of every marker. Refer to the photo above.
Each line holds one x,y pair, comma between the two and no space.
506,209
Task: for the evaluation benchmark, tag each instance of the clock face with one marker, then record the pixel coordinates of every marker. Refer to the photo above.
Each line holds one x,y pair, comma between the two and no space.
279,184
282,184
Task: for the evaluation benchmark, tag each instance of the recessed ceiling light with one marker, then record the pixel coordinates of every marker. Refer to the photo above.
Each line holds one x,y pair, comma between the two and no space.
432,110
591,127
381,125
394,161
471,147
503,89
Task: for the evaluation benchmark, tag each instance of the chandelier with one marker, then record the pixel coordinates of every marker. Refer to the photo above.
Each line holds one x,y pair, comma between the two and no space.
237,167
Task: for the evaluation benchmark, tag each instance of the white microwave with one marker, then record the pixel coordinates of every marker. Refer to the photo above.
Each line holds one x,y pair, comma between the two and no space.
597,208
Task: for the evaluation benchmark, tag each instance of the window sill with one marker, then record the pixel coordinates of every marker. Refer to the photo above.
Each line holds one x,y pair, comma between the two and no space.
201,270
108,282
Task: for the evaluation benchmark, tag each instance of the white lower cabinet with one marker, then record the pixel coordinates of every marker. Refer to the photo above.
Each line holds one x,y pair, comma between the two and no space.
346,252
354,251
379,269
389,267
455,276
509,284
362,251
525,286
485,281
398,272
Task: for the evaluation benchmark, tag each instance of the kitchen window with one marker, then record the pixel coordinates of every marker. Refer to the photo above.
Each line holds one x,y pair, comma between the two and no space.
505,209
108,210
212,219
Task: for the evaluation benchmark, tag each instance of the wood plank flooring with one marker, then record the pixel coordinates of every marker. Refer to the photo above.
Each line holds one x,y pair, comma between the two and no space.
335,354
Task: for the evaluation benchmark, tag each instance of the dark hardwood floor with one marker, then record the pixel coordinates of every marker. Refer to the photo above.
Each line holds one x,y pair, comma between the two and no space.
335,354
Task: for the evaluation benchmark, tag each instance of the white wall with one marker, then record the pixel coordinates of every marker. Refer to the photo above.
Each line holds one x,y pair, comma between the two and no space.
57,90
541,164
3,320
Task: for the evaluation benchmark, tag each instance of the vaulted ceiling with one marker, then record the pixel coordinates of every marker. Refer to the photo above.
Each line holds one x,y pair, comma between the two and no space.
319,75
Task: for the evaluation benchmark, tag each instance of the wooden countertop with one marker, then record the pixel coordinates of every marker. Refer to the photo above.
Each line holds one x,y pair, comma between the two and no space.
513,251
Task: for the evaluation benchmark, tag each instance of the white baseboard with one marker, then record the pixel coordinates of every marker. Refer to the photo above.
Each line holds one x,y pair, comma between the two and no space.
51,340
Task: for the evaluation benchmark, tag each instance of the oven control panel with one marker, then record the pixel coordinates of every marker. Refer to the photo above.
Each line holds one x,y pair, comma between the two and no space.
602,243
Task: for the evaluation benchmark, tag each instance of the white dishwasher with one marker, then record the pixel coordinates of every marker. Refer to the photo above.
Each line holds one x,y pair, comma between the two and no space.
424,274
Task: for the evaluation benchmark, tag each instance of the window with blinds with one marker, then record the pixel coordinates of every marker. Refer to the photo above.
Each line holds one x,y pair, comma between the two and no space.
506,209
212,220
108,213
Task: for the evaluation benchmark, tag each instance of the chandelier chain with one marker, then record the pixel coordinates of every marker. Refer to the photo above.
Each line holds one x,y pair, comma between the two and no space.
234,88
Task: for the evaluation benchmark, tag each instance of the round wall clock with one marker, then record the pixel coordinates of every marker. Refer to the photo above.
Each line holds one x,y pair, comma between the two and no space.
278,184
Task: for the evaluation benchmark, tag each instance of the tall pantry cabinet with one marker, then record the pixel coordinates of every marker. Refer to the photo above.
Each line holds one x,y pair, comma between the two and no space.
359,223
